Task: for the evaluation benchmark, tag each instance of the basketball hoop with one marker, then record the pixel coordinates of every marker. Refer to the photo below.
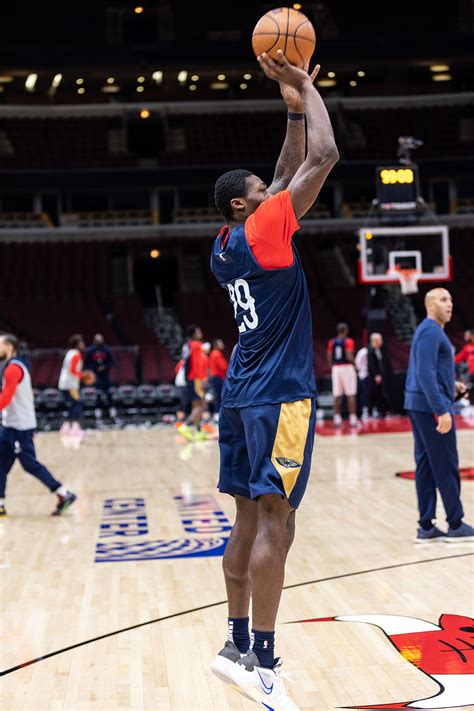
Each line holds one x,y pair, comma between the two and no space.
408,280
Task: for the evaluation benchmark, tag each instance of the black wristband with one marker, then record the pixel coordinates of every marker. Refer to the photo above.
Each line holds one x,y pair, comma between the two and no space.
295,117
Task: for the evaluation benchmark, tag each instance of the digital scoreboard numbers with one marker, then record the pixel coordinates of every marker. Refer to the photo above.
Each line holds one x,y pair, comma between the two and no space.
397,188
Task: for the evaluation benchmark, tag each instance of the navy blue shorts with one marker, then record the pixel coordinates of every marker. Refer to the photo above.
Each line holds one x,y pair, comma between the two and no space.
266,449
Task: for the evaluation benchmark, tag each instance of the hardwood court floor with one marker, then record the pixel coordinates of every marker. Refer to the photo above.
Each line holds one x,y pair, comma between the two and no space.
353,555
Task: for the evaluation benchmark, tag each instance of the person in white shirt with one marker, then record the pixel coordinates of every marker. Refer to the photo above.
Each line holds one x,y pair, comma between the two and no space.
362,366
69,383
19,424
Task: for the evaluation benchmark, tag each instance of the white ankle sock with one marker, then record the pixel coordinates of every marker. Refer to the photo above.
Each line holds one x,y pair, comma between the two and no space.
61,490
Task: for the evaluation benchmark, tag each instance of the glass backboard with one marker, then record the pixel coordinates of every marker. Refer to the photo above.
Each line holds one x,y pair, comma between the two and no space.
385,251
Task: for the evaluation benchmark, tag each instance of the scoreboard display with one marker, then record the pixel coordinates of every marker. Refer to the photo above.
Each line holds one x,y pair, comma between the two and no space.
397,187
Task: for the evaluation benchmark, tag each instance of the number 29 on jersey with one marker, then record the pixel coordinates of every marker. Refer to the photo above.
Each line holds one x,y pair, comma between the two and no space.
247,318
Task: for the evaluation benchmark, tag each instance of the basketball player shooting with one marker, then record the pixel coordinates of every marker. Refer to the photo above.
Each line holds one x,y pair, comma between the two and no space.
267,418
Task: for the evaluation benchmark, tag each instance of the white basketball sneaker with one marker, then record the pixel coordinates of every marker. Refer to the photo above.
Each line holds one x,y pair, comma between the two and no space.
265,686
223,663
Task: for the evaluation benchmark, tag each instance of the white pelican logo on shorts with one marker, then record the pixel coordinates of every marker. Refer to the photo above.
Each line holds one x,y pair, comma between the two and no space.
287,463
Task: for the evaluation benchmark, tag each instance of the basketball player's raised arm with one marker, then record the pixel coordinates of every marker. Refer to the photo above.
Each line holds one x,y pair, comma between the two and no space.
322,153
293,151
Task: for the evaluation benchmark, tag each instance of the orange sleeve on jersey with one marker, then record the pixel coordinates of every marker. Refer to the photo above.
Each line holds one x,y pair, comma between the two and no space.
73,368
350,345
269,231
461,356
12,376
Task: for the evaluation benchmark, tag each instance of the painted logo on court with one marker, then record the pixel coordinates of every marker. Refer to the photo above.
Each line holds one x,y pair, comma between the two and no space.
444,652
124,522
152,550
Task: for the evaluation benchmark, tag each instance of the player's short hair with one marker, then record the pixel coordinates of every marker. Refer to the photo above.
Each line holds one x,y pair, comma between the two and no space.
75,340
228,186
342,327
191,329
11,339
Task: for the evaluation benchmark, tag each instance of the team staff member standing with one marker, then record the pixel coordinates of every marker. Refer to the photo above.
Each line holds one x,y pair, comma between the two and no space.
267,417
69,383
377,375
429,399
18,427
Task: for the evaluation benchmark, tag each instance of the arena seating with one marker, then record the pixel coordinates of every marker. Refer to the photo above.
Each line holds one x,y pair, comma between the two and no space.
63,143
72,292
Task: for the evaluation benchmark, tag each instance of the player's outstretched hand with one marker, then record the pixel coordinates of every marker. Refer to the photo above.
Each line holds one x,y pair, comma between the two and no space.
282,71
291,96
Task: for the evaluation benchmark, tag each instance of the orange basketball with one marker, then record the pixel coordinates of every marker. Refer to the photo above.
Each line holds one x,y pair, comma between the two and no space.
88,377
288,30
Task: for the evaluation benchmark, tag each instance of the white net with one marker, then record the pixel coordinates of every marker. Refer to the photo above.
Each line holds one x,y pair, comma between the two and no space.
408,280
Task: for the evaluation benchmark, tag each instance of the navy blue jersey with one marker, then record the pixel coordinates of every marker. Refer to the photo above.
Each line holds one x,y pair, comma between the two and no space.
273,360
337,349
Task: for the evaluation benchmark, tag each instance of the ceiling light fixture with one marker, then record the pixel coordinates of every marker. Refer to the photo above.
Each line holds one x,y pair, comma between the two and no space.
439,67
326,82
30,82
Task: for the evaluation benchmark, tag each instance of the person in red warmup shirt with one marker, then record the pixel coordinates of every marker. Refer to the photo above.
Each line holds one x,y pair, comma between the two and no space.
193,371
218,365
19,425
466,354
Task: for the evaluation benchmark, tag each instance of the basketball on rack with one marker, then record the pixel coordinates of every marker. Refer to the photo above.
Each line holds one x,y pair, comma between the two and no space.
286,29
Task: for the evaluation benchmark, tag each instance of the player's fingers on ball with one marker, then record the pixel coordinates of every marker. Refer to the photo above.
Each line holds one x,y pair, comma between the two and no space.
315,72
281,58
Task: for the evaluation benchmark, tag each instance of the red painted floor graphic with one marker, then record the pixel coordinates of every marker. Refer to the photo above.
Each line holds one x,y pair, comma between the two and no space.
443,651
467,474
381,426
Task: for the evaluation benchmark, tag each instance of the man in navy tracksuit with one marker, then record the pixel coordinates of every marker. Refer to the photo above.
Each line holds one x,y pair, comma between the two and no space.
429,399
